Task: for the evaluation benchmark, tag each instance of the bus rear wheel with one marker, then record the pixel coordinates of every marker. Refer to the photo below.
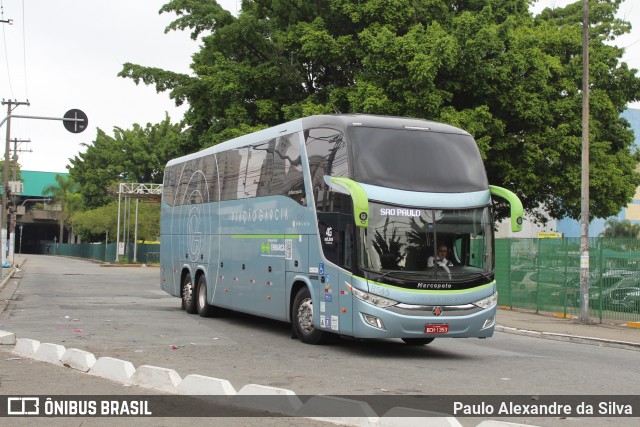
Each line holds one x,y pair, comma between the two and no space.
418,341
188,295
204,308
302,318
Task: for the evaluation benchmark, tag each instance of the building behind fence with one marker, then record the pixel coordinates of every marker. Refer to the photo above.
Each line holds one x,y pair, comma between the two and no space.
532,274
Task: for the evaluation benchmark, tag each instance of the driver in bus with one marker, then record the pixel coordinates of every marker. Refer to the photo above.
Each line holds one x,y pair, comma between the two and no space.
441,258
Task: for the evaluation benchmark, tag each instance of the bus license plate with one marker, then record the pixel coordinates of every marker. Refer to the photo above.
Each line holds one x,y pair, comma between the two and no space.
436,328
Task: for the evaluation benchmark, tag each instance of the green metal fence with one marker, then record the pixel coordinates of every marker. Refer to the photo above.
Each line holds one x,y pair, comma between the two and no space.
144,253
544,275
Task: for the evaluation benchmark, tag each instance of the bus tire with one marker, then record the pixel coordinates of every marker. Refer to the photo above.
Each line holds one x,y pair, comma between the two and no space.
203,307
417,341
188,295
302,318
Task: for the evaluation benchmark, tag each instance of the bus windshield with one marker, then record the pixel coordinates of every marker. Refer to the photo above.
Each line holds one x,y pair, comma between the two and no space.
427,243
415,160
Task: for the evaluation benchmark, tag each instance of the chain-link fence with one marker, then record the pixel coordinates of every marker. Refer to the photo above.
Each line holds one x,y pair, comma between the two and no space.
144,253
544,275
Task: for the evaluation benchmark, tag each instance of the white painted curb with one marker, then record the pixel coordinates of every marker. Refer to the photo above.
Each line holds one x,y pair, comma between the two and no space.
195,384
409,417
78,359
491,423
7,338
26,347
113,369
162,379
355,412
50,353
289,405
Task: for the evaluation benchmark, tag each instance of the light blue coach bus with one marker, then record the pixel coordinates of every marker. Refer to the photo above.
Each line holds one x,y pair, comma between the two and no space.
333,223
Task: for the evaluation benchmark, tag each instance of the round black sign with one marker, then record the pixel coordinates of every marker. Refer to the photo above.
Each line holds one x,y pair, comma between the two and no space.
75,121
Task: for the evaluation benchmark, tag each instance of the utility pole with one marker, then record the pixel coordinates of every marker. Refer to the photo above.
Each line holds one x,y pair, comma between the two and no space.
584,208
14,200
11,105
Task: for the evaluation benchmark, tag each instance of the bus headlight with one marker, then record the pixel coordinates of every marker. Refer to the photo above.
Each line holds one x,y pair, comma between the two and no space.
487,302
374,299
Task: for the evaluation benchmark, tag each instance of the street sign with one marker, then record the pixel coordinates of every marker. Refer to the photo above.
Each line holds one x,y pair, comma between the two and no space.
75,121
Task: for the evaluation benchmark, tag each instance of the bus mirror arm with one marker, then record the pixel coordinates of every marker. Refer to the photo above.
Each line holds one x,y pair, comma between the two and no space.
516,206
359,198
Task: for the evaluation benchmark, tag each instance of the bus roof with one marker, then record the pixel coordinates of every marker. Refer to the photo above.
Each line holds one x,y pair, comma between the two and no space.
340,121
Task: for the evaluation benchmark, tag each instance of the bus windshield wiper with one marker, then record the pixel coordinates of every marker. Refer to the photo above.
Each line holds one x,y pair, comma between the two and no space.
382,275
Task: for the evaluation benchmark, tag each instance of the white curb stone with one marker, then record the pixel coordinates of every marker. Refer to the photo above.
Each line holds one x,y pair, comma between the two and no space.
113,369
408,417
157,378
7,338
491,423
50,353
288,403
195,384
343,411
26,347
78,359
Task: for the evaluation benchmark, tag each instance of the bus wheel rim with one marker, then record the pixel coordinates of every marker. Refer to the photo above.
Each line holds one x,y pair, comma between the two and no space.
305,315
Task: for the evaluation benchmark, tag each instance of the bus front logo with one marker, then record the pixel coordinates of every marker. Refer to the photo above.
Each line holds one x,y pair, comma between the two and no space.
437,311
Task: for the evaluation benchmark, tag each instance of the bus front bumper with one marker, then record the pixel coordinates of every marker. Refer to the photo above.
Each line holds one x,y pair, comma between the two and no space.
404,321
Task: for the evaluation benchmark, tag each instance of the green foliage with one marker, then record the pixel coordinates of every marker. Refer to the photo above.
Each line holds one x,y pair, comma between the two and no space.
616,228
131,155
12,165
92,225
511,79
64,193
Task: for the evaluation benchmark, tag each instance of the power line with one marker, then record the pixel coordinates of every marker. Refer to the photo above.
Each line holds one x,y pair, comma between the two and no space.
4,40
24,51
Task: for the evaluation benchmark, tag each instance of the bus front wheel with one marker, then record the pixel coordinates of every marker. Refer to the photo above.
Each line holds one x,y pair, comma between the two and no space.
303,318
188,295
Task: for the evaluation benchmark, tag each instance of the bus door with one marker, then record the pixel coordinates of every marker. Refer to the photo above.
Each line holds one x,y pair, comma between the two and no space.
336,232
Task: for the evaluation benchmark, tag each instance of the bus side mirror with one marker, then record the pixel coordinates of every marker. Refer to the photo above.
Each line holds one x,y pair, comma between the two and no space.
516,206
359,197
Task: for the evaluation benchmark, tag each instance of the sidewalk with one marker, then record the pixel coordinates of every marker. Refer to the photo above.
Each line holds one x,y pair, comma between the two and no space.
549,326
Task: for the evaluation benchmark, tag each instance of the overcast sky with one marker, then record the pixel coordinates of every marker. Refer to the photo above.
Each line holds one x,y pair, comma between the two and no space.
66,54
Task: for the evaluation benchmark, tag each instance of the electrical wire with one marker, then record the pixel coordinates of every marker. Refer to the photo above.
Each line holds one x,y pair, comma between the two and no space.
24,51
6,55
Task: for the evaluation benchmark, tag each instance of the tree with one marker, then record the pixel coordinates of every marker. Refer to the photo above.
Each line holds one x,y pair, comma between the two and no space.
617,228
488,66
130,155
92,224
64,193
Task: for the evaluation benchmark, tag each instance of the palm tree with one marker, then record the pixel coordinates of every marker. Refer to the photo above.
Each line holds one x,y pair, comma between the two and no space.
64,193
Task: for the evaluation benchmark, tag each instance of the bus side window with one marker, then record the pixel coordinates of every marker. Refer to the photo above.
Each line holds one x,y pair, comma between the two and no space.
257,165
229,163
288,179
170,184
266,168
210,169
327,154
